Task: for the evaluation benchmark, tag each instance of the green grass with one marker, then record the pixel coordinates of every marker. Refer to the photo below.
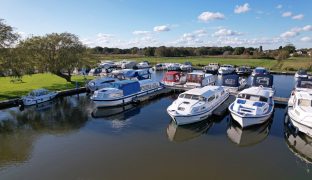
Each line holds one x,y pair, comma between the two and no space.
10,90
291,64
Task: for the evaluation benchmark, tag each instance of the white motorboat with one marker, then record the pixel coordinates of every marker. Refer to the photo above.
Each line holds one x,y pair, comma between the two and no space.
100,83
173,67
211,68
199,79
196,104
143,65
38,96
187,66
160,67
233,83
124,92
301,74
226,69
300,110
252,106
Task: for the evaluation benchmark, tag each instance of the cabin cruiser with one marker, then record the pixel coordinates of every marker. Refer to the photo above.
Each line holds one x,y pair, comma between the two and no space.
301,74
100,83
233,83
131,74
107,65
160,67
95,71
243,70
172,78
260,71
187,132
300,108
143,65
125,64
196,104
124,92
187,66
199,79
38,96
212,68
226,69
252,106
173,67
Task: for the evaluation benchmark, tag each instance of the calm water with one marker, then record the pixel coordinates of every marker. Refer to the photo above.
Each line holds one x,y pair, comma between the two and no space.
70,139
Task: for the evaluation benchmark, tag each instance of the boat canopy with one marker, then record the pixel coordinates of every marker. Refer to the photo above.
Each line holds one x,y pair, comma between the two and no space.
256,91
231,80
172,76
127,86
39,92
139,74
262,80
205,91
304,83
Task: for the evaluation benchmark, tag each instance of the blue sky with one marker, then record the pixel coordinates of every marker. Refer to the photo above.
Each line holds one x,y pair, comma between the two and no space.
129,23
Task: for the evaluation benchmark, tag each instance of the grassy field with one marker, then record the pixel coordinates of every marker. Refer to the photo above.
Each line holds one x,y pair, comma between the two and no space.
9,90
291,64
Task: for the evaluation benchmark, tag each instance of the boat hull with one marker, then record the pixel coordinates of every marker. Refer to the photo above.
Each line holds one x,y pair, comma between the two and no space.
29,102
124,100
305,128
188,119
249,121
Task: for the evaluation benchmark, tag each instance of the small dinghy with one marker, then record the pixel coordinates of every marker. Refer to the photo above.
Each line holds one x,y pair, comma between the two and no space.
38,96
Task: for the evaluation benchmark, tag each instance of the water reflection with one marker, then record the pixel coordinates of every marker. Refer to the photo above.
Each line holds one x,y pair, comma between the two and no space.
19,129
299,143
187,132
116,113
248,136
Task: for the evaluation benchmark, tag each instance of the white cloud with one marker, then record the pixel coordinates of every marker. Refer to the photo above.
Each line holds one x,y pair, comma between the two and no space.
226,32
287,14
209,16
279,6
307,28
140,32
242,8
162,28
235,41
298,17
200,32
306,39
289,34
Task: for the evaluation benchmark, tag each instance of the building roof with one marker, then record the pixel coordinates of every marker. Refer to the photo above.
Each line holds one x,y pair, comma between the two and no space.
206,91
258,91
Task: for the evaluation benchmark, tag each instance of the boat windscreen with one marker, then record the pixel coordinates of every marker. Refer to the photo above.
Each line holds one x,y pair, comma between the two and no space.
191,96
252,97
305,102
194,78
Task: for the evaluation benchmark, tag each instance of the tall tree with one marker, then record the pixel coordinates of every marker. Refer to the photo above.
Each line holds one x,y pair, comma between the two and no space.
55,53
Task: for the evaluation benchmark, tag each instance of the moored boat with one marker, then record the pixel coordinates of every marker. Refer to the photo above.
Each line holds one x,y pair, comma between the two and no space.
301,74
243,70
252,106
233,83
124,92
187,66
38,96
226,69
211,68
100,83
260,71
196,104
172,78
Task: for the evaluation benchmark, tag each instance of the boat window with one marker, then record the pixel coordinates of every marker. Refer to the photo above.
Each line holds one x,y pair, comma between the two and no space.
263,99
195,97
201,98
304,102
187,96
181,95
222,92
211,98
170,77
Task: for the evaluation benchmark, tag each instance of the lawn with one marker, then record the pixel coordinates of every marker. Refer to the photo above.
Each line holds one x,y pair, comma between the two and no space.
9,90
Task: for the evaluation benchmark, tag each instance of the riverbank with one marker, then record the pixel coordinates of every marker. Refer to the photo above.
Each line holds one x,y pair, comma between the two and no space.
13,90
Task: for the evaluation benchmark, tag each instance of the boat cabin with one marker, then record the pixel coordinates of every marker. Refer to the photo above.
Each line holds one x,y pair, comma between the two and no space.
172,78
199,79
304,83
39,92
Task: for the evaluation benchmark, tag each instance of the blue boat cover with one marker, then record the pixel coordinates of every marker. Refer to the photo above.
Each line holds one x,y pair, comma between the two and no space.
262,80
231,80
139,74
304,83
127,86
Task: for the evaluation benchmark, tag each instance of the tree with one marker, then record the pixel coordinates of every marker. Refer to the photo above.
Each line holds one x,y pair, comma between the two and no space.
7,36
55,53
238,50
283,54
290,48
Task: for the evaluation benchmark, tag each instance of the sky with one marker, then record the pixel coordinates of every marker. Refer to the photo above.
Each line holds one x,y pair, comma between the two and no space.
142,23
